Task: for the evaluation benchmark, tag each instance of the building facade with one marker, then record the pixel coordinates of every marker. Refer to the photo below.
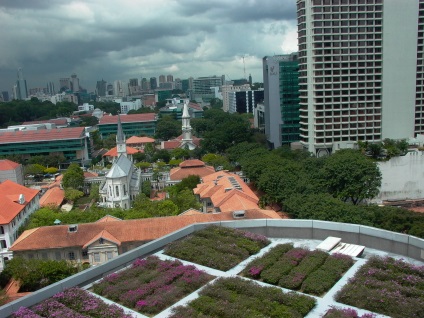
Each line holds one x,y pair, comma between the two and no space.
21,86
360,71
245,101
72,143
17,204
10,170
281,99
132,125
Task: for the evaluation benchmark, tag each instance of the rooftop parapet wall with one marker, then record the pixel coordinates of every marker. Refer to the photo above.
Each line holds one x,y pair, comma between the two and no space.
397,243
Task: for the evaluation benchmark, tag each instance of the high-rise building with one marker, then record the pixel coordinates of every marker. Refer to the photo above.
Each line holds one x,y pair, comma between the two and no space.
226,89
64,84
133,82
162,79
153,83
5,95
50,88
75,86
281,99
245,101
101,88
145,85
21,86
361,71
169,78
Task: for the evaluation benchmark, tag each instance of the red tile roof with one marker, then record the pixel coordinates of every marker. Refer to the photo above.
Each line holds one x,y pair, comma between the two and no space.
189,168
114,152
192,163
175,143
139,140
139,230
6,164
41,135
88,174
227,191
127,118
109,218
52,197
9,196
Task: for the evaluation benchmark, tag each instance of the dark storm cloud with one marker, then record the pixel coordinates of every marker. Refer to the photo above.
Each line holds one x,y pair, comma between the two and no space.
132,38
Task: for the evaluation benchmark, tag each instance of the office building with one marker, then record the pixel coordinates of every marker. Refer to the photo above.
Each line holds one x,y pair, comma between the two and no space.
245,101
281,99
226,89
101,88
65,84
21,86
153,83
75,86
169,78
202,87
132,125
162,79
360,71
5,96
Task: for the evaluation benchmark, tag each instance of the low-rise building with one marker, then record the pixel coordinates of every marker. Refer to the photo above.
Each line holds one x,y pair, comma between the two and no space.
133,125
72,143
17,203
10,170
225,191
187,168
98,242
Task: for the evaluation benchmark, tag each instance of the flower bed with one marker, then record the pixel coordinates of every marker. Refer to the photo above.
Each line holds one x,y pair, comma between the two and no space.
312,272
345,313
237,297
72,303
387,286
151,285
217,247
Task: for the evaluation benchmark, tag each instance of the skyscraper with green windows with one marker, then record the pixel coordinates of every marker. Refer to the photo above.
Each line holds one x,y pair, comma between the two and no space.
281,99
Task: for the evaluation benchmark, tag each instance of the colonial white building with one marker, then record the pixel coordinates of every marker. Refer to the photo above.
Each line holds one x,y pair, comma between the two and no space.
123,181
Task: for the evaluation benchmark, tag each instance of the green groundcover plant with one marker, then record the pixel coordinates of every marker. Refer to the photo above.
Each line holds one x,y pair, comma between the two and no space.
150,285
217,247
387,286
72,303
312,272
237,297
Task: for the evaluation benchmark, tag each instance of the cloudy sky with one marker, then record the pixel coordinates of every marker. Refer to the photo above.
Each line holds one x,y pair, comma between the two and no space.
126,39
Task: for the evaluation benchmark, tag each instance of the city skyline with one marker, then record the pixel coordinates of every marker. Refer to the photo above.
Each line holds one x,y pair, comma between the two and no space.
134,39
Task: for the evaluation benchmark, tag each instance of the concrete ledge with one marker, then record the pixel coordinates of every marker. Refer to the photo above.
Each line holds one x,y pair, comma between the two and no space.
378,233
343,227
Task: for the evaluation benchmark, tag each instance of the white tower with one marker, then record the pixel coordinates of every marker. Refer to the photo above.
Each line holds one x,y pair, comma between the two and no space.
121,146
187,140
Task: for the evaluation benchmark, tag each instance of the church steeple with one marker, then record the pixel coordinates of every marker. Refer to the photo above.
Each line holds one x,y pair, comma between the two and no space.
187,134
121,146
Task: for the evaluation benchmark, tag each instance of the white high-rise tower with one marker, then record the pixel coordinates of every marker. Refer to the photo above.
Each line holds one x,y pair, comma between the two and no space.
361,71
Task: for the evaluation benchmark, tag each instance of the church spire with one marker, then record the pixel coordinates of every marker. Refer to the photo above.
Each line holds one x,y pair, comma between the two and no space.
186,128
121,146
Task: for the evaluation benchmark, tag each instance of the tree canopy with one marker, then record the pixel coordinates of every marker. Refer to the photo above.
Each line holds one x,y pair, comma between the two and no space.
73,177
167,127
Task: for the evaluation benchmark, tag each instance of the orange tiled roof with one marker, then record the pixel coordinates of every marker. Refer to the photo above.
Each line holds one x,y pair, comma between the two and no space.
127,118
6,164
88,174
139,140
9,196
53,196
191,212
109,218
114,152
139,230
103,235
227,191
190,167
41,135
59,121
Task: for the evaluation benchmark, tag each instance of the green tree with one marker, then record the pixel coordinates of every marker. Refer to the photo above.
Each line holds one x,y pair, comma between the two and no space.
180,153
72,194
110,141
146,188
51,170
36,273
216,103
143,165
73,177
167,127
94,192
348,175
34,169
185,200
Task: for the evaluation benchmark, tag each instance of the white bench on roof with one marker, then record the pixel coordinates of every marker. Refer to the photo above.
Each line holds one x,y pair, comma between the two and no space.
349,249
329,243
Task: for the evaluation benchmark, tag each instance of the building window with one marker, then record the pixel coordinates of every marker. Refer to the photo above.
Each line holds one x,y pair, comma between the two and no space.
109,255
117,191
71,256
3,244
57,256
1,229
44,255
84,254
96,257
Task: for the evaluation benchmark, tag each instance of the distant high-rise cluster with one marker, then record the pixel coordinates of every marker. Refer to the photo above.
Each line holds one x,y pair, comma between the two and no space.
20,89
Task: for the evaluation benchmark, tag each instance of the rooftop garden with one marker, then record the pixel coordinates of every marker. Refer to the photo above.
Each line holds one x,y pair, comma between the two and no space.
217,247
